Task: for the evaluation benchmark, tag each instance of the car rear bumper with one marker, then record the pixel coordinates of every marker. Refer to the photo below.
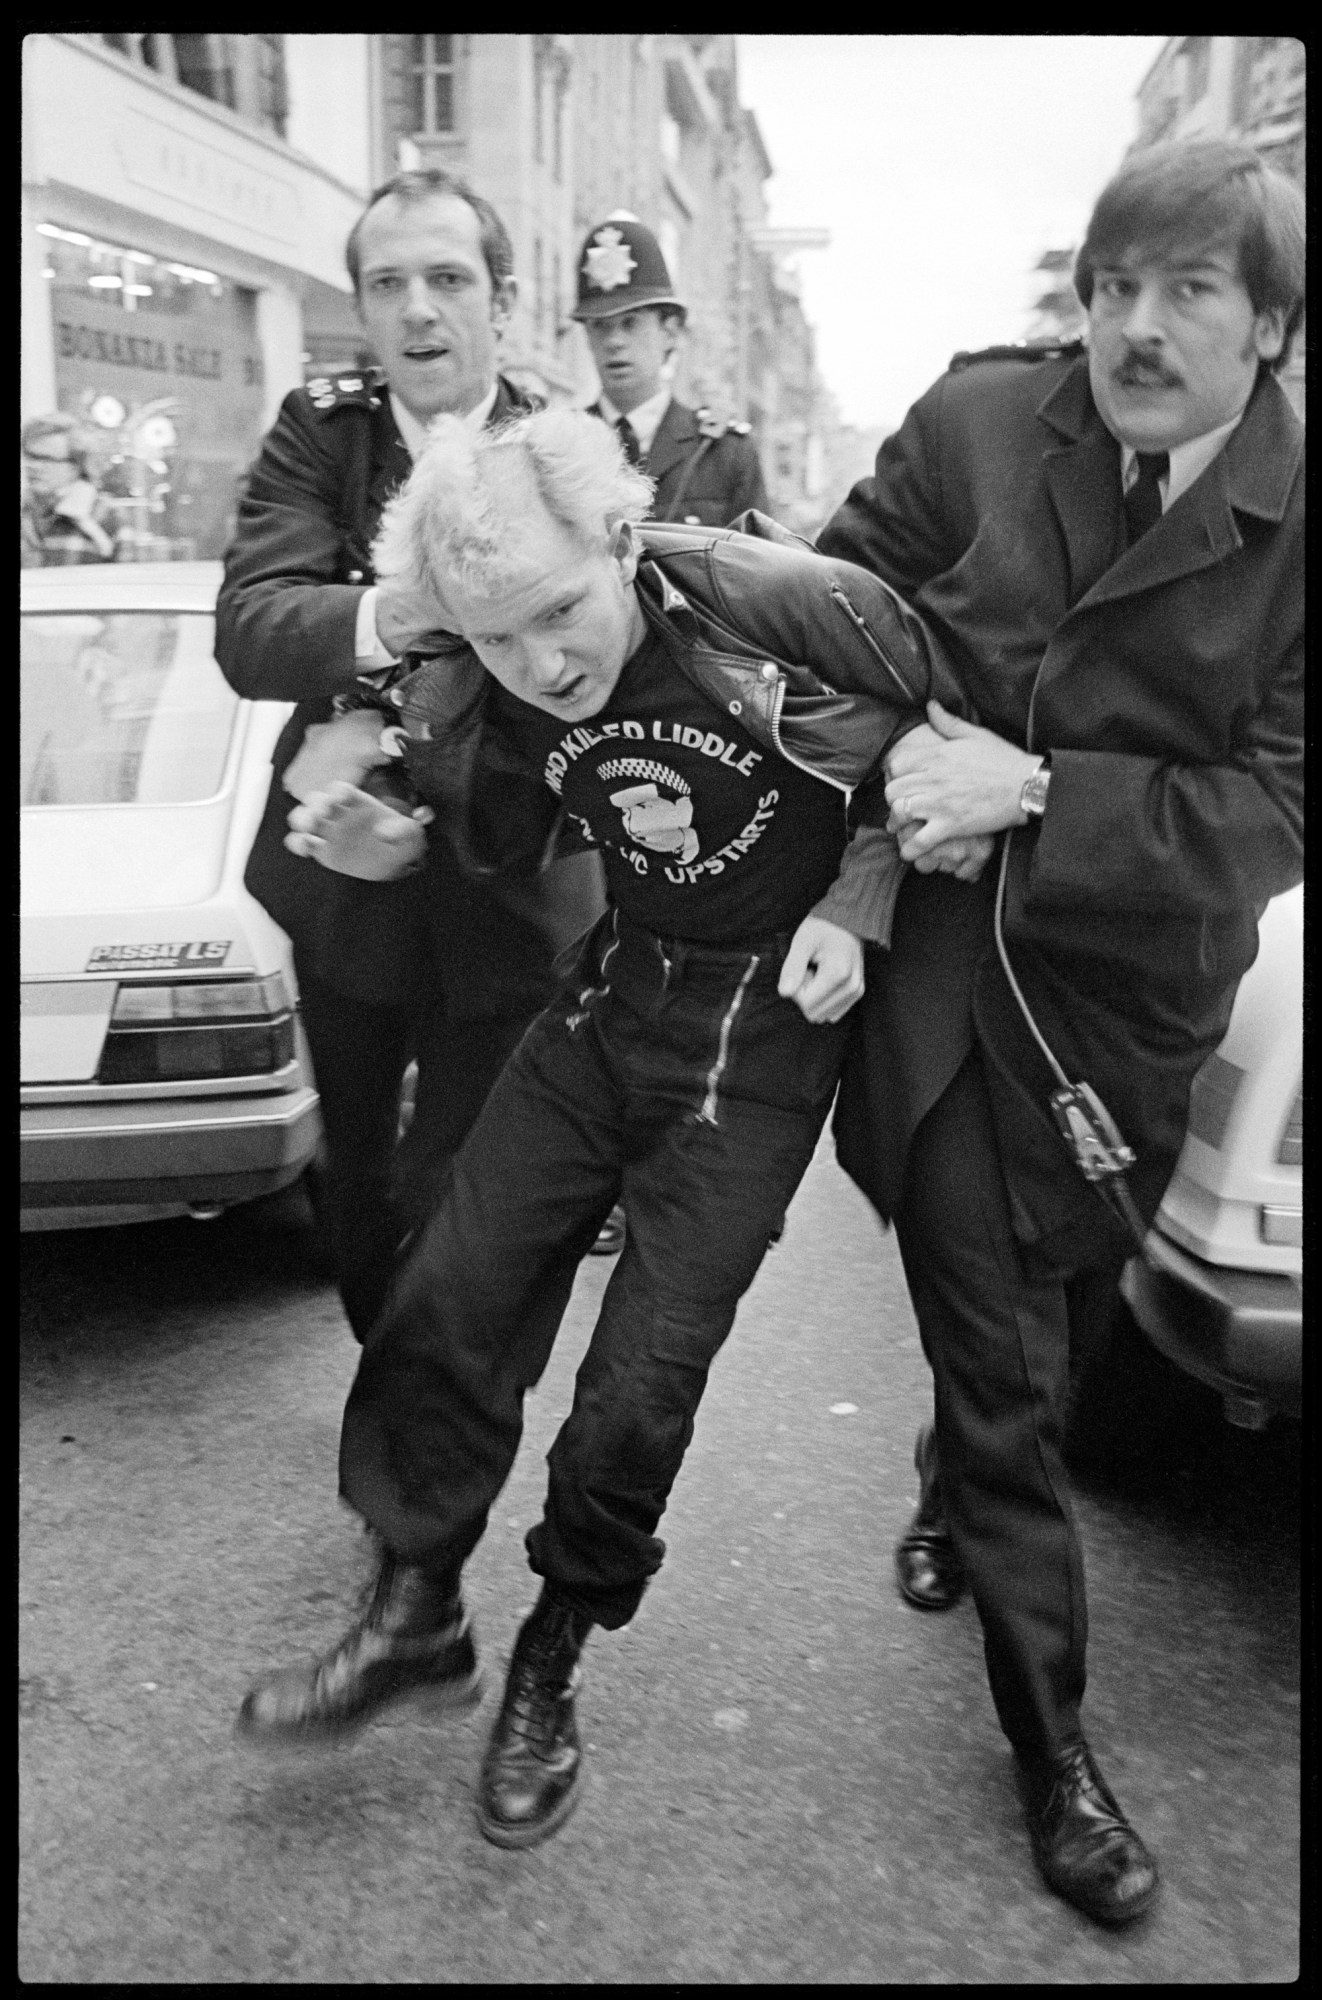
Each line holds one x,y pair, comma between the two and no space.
86,1163
1241,1331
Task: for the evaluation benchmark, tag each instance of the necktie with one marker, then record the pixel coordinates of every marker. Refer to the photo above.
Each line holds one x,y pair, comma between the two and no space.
625,432
1143,500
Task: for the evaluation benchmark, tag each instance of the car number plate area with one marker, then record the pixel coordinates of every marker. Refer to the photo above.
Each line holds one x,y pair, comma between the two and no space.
62,1027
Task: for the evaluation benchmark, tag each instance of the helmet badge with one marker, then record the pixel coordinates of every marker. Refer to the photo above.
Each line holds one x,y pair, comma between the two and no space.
609,261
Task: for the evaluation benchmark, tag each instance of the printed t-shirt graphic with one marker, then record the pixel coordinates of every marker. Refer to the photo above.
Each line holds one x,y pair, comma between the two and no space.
705,833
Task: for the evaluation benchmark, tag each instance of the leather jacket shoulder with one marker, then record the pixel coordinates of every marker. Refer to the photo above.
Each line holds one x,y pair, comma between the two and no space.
820,661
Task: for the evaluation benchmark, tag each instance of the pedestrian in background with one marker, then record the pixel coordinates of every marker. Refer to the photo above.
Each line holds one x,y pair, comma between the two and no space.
439,967
65,518
1111,541
705,471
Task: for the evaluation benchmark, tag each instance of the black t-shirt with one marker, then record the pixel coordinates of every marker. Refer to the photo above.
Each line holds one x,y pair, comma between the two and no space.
705,833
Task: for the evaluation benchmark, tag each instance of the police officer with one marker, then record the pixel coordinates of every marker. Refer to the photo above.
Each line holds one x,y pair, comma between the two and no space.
706,471
436,966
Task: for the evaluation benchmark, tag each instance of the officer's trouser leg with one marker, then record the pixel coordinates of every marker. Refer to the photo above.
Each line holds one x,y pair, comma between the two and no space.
359,1055
998,1342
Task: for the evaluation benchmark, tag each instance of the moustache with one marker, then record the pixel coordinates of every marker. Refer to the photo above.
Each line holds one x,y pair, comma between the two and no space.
1135,373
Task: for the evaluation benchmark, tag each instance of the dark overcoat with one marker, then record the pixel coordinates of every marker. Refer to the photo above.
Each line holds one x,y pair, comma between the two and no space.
1166,682
706,471
285,631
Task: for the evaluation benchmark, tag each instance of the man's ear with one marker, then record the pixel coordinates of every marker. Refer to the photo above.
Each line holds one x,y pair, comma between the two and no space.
503,301
1269,333
672,326
625,549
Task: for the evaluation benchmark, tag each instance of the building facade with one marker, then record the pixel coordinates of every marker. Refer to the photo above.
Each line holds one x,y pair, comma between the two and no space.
181,253
186,200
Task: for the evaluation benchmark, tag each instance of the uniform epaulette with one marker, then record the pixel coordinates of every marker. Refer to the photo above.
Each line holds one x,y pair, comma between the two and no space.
712,427
332,392
1017,350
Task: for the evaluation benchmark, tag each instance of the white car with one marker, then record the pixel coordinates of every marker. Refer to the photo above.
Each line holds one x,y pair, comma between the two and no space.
1220,1289
164,1069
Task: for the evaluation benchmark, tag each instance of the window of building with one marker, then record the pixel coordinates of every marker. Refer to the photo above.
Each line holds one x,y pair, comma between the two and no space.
272,91
430,78
246,73
1197,53
203,64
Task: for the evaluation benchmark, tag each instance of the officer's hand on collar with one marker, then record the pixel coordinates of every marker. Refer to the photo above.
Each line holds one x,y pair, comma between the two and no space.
410,621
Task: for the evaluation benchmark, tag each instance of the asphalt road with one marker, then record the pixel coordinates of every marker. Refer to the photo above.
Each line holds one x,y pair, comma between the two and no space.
792,1777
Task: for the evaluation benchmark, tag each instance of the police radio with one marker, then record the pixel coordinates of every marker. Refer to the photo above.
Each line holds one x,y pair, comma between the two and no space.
1087,1127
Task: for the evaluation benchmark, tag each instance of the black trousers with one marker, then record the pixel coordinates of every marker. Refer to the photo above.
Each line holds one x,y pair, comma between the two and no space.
376,1187
997,1337
676,1076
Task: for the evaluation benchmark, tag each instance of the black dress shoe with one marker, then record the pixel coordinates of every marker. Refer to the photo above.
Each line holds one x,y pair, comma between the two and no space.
411,1640
1084,1846
927,1569
530,1775
611,1240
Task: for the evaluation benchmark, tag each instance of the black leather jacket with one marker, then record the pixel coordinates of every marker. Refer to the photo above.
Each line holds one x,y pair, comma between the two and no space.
822,662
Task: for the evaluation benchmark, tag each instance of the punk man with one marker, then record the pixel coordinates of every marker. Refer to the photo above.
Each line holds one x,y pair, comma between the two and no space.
697,704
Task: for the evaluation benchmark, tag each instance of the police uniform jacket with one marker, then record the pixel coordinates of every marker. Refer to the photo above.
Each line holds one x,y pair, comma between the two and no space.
285,631
1165,680
706,472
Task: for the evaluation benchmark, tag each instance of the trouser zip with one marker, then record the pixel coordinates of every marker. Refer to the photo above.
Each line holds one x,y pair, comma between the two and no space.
707,1115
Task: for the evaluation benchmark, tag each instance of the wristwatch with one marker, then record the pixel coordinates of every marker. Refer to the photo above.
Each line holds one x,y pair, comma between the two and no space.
1033,792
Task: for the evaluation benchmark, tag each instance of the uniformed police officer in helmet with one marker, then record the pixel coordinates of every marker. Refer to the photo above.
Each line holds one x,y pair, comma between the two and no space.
706,471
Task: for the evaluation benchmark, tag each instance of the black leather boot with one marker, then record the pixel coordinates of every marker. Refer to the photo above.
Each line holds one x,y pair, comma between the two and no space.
530,1774
1084,1846
927,1568
411,1639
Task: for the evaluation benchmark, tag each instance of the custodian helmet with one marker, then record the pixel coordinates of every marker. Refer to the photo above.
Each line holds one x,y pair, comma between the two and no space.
621,268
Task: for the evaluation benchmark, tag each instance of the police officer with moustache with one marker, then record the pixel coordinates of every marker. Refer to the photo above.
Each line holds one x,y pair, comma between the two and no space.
1110,538
706,472
436,966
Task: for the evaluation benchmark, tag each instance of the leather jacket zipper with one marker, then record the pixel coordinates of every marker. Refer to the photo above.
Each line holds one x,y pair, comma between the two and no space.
777,703
855,618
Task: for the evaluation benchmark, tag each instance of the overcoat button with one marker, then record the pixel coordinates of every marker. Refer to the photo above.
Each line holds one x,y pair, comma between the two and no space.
768,670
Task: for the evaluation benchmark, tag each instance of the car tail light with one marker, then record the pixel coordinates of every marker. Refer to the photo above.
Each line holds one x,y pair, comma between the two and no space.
1212,1099
204,1028
1290,1152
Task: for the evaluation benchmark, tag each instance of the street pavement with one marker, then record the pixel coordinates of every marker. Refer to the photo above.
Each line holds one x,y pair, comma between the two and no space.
792,1777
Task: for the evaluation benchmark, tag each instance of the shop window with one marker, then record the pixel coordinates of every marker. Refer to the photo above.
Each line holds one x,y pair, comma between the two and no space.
161,363
430,79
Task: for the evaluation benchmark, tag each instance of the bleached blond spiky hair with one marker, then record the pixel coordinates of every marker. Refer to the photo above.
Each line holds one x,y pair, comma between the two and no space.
461,513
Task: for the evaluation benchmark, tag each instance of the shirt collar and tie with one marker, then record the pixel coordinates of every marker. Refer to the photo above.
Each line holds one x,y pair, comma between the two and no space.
642,423
1153,479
